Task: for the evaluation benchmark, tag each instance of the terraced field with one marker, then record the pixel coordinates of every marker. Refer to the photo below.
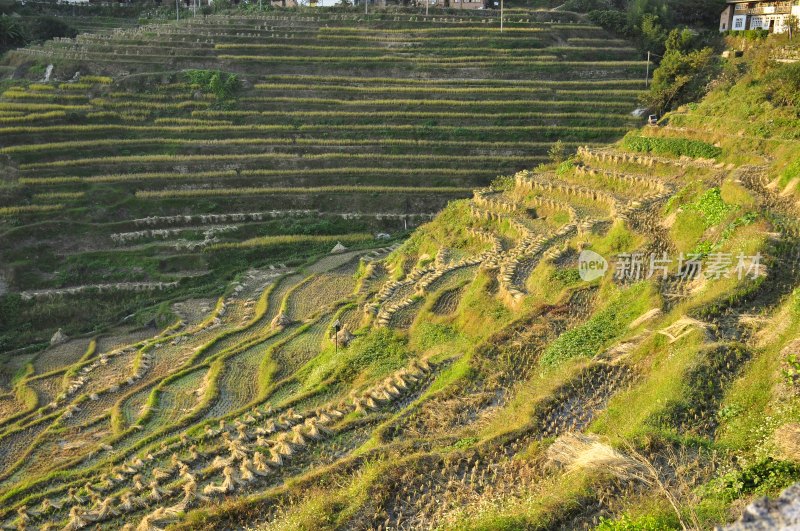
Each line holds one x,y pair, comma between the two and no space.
336,127
253,392
301,298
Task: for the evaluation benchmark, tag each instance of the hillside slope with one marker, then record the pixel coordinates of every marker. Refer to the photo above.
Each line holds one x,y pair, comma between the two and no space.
607,341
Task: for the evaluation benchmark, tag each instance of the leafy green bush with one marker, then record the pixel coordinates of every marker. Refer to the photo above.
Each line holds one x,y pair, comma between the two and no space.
565,167
503,183
711,207
750,35
557,153
671,146
566,276
792,374
764,477
221,84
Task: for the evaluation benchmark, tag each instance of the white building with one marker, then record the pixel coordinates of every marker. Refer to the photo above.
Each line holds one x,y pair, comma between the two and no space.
774,16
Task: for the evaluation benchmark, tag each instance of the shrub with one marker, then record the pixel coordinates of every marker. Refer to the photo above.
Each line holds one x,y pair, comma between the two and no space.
557,153
783,85
503,183
221,84
763,477
792,374
711,207
750,35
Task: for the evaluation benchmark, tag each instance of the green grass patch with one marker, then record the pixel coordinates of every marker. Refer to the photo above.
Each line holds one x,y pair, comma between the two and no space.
677,147
604,326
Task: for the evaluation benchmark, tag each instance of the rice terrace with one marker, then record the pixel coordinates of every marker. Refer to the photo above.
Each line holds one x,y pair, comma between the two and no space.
464,265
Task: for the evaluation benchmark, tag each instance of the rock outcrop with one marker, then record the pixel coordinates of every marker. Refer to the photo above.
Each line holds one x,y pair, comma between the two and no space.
765,514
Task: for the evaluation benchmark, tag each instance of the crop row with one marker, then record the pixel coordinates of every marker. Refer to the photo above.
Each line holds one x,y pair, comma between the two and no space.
477,93
298,47
468,29
214,175
488,82
464,131
35,117
544,63
430,52
368,116
404,115
58,196
34,107
258,156
17,93
87,144
149,105
467,96
211,192
471,60
166,92
28,209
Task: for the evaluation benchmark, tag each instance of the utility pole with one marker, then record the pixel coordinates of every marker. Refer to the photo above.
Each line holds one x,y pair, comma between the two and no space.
366,7
427,3
501,16
177,10
647,73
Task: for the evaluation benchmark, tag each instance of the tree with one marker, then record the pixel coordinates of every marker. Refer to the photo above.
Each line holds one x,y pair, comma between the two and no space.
12,34
652,34
46,28
683,74
680,40
638,9
697,13
614,21
682,77
793,24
